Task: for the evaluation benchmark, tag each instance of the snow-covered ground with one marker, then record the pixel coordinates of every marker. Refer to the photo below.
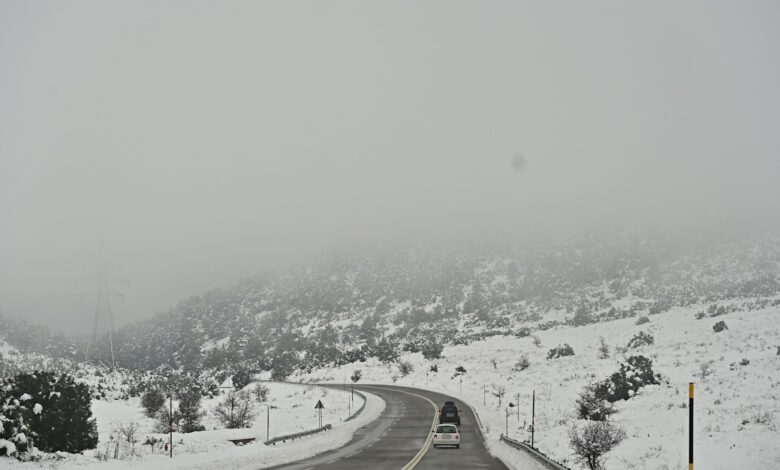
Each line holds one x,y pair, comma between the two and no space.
737,405
291,410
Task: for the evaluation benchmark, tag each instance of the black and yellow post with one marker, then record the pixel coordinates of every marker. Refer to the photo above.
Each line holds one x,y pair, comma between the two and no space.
690,426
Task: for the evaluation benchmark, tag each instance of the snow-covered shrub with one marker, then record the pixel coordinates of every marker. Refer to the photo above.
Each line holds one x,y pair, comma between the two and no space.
705,370
357,374
435,367
405,368
642,320
49,412
716,310
523,332
582,316
460,370
640,339
432,350
152,400
560,351
593,441
700,315
591,403
522,364
537,341
261,392
236,410
719,326
241,377
634,374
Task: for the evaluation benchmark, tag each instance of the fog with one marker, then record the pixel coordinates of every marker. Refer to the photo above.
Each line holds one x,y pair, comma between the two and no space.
207,142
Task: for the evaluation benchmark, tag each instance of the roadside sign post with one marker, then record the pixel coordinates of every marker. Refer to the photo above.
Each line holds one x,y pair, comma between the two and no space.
511,405
170,426
533,417
267,422
319,406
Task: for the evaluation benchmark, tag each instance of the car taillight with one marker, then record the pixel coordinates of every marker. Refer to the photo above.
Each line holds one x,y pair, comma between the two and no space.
435,436
457,436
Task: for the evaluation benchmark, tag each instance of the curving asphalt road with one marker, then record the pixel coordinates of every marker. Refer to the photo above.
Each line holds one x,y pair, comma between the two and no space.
399,438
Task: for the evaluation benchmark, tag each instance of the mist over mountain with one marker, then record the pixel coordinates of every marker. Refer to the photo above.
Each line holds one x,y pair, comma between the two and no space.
349,307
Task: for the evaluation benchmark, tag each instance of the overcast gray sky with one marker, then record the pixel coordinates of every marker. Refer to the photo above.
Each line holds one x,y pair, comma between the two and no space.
208,141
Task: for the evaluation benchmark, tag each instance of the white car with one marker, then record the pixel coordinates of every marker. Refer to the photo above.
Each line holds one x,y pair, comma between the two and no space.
446,435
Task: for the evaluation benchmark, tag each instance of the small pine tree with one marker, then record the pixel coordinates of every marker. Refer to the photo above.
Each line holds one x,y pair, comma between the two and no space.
54,410
591,404
189,409
603,348
356,375
152,400
167,420
241,377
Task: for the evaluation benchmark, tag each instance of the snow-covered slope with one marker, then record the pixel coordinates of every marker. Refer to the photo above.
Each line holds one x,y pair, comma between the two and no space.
291,410
737,418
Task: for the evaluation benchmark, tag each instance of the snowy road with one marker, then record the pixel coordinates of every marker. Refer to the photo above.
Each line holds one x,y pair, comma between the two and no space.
399,437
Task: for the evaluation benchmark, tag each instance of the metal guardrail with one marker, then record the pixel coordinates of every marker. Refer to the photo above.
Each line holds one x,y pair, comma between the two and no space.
533,452
296,435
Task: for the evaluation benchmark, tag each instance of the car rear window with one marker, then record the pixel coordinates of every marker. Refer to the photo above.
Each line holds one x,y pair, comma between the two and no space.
446,429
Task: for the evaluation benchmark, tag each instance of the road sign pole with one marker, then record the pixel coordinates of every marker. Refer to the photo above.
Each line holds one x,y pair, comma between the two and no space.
533,417
170,426
267,422
319,406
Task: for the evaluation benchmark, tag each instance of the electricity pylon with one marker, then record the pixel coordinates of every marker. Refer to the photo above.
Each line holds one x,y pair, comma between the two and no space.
103,293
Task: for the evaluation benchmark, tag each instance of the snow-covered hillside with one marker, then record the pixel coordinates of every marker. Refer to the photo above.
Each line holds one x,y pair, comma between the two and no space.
736,374
348,308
